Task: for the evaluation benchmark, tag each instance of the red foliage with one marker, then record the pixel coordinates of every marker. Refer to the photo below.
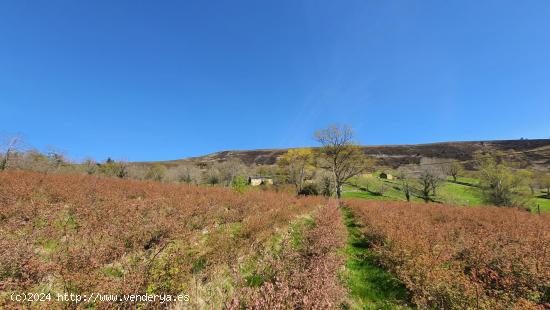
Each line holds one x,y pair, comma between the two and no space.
305,278
70,233
458,257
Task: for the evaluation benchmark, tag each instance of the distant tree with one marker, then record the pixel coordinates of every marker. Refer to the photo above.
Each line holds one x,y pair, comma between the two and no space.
543,182
114,168
325,183
35,161
229,170
427,181
186,173
90,166
366,182
500,185
340,155
56,158
212,176
406,187
454,169
382,188
156,172
9,146
430,178
528,178
295,163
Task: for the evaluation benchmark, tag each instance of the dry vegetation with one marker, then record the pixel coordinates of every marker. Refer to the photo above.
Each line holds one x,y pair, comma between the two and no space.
456,258
70,233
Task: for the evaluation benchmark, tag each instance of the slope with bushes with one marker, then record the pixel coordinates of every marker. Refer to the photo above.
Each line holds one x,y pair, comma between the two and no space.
82,234
455,257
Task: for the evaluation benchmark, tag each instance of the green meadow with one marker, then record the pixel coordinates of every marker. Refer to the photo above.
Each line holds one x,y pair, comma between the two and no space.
464,192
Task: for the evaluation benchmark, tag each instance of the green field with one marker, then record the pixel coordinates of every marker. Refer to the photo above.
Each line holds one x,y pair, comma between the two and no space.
463,193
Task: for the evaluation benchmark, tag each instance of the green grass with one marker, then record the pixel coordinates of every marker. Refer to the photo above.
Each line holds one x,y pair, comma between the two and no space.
544,204
365,195
371,287
459,194
464,192
390,188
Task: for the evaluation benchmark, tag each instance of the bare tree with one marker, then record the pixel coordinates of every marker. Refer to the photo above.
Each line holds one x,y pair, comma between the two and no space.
430,178
11,145
212,175
340,155
156,172
35,161
90,166
404,178
186,173
230,169
56,158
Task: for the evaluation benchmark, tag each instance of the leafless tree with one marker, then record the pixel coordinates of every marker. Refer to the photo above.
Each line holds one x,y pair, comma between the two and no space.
10,145
404,177
340,155
56,158
230,169
90,166
212,175
186,173
431,177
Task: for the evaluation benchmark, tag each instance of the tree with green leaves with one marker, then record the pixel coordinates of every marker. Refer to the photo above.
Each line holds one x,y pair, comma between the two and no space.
500,184
156,172
114,168
543,182
296,165
454,169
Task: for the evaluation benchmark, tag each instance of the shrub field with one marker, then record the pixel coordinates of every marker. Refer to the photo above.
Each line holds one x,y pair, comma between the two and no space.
223,249
80,234
452,257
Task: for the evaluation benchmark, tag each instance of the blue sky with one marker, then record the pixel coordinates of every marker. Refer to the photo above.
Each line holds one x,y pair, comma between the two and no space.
154,80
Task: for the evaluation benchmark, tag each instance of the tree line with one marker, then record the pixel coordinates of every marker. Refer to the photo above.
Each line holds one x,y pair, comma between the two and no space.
325,170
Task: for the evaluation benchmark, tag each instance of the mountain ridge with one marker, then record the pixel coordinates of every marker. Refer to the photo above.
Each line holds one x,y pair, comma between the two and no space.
534,151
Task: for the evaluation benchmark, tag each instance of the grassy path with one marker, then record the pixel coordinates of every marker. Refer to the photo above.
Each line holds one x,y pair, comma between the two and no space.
371,287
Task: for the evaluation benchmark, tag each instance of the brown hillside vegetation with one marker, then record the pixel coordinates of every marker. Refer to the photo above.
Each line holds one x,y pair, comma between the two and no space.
457,257
534,153
81,234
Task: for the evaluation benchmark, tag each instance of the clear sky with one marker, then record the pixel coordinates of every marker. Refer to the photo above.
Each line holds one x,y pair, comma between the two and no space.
154,80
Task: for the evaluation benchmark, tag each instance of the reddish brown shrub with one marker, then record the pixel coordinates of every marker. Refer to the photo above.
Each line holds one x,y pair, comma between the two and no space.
458,257
305,270
70,233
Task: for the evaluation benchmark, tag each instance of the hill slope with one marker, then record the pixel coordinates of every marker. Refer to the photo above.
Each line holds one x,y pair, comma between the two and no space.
535,153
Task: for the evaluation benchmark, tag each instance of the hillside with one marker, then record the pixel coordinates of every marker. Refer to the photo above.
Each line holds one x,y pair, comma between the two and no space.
125,244
535,153
106,240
